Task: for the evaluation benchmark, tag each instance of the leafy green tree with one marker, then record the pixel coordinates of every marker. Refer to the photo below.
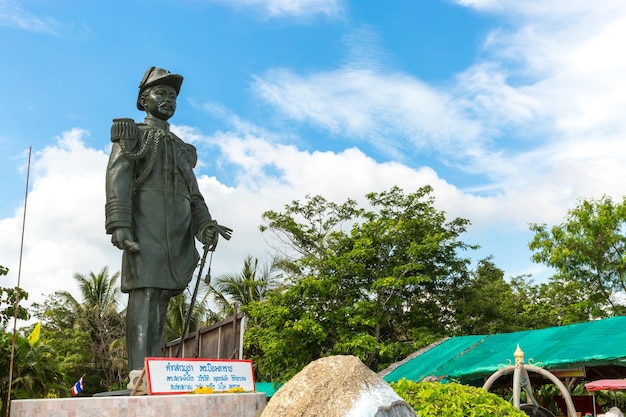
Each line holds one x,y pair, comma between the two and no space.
69,339
535,308
489,304
8,298
571,302
35,371
587,253
486,303
302,232
371,292
38,374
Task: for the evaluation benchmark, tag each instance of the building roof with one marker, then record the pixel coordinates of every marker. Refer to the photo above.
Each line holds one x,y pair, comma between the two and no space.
597,347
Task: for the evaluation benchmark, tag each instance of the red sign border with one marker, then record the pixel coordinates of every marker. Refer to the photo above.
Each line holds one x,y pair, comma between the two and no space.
148,382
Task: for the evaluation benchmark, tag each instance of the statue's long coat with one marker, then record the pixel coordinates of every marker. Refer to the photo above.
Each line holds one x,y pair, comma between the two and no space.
152,190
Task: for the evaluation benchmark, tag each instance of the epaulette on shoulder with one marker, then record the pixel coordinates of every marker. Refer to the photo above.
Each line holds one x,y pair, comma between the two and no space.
124,128
191,154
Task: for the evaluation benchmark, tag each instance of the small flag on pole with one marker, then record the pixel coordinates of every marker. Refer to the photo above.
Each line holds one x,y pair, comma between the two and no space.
34,335
78,387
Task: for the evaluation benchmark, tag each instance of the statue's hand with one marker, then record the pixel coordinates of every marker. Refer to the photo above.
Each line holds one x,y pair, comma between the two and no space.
122,238
208,234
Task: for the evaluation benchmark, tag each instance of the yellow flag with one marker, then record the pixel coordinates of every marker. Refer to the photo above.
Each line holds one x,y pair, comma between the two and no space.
34,336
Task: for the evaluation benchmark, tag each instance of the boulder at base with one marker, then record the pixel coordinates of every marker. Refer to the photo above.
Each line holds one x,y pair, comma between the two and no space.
337,386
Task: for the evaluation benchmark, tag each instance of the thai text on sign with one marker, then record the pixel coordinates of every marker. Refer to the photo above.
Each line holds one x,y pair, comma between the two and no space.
179,376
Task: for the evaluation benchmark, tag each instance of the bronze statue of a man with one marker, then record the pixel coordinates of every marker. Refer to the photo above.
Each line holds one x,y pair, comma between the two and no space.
154,210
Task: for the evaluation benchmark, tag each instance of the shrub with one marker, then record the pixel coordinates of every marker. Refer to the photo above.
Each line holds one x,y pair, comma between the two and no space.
434,399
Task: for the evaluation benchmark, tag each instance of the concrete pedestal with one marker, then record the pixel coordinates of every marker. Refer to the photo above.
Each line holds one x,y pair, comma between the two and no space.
187,405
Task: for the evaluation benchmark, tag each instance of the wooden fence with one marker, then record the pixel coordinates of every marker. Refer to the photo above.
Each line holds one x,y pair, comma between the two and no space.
221,340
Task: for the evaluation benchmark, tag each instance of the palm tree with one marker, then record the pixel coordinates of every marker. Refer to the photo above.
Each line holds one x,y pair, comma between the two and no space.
178,309
99,292
98,314
245,287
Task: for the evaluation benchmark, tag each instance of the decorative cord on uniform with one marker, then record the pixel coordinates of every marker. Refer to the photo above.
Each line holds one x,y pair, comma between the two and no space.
175,158
151,142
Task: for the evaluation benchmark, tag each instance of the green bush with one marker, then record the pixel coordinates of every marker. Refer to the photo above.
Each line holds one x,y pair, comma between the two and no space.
433,399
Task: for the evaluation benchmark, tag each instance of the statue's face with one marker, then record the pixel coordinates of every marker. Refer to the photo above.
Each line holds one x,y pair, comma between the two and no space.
160,101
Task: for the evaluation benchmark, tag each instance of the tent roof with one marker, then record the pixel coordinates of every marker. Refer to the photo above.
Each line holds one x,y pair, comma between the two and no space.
606,384
268,388
598,346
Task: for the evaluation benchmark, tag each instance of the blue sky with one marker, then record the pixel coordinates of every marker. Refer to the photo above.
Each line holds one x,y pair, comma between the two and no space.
512,110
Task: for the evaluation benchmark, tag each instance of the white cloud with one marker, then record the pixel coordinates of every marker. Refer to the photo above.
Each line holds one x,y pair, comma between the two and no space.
392,111
13,15
562,56
553,83
295,8
556,10
65,216
539,116
64,232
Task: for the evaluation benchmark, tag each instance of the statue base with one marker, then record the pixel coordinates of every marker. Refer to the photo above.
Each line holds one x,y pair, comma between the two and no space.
191,405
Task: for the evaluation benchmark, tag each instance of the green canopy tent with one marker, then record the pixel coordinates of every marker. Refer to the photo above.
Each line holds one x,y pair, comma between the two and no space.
597,348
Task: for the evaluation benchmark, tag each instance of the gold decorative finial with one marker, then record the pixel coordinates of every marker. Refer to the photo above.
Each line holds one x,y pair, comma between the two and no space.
519,356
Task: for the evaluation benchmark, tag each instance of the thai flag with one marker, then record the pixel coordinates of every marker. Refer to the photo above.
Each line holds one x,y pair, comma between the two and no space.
78,387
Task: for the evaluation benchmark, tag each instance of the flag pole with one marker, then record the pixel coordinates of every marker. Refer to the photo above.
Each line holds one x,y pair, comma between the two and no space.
17,290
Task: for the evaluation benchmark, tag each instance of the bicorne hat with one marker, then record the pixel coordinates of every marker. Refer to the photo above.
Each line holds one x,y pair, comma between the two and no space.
155,76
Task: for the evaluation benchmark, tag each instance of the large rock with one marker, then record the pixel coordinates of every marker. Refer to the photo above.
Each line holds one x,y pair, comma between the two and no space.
337,386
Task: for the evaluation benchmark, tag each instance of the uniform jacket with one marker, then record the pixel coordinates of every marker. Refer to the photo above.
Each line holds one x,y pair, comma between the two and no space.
152,190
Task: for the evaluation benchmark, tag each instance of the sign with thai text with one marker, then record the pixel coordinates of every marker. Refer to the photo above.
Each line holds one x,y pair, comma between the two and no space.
180,376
